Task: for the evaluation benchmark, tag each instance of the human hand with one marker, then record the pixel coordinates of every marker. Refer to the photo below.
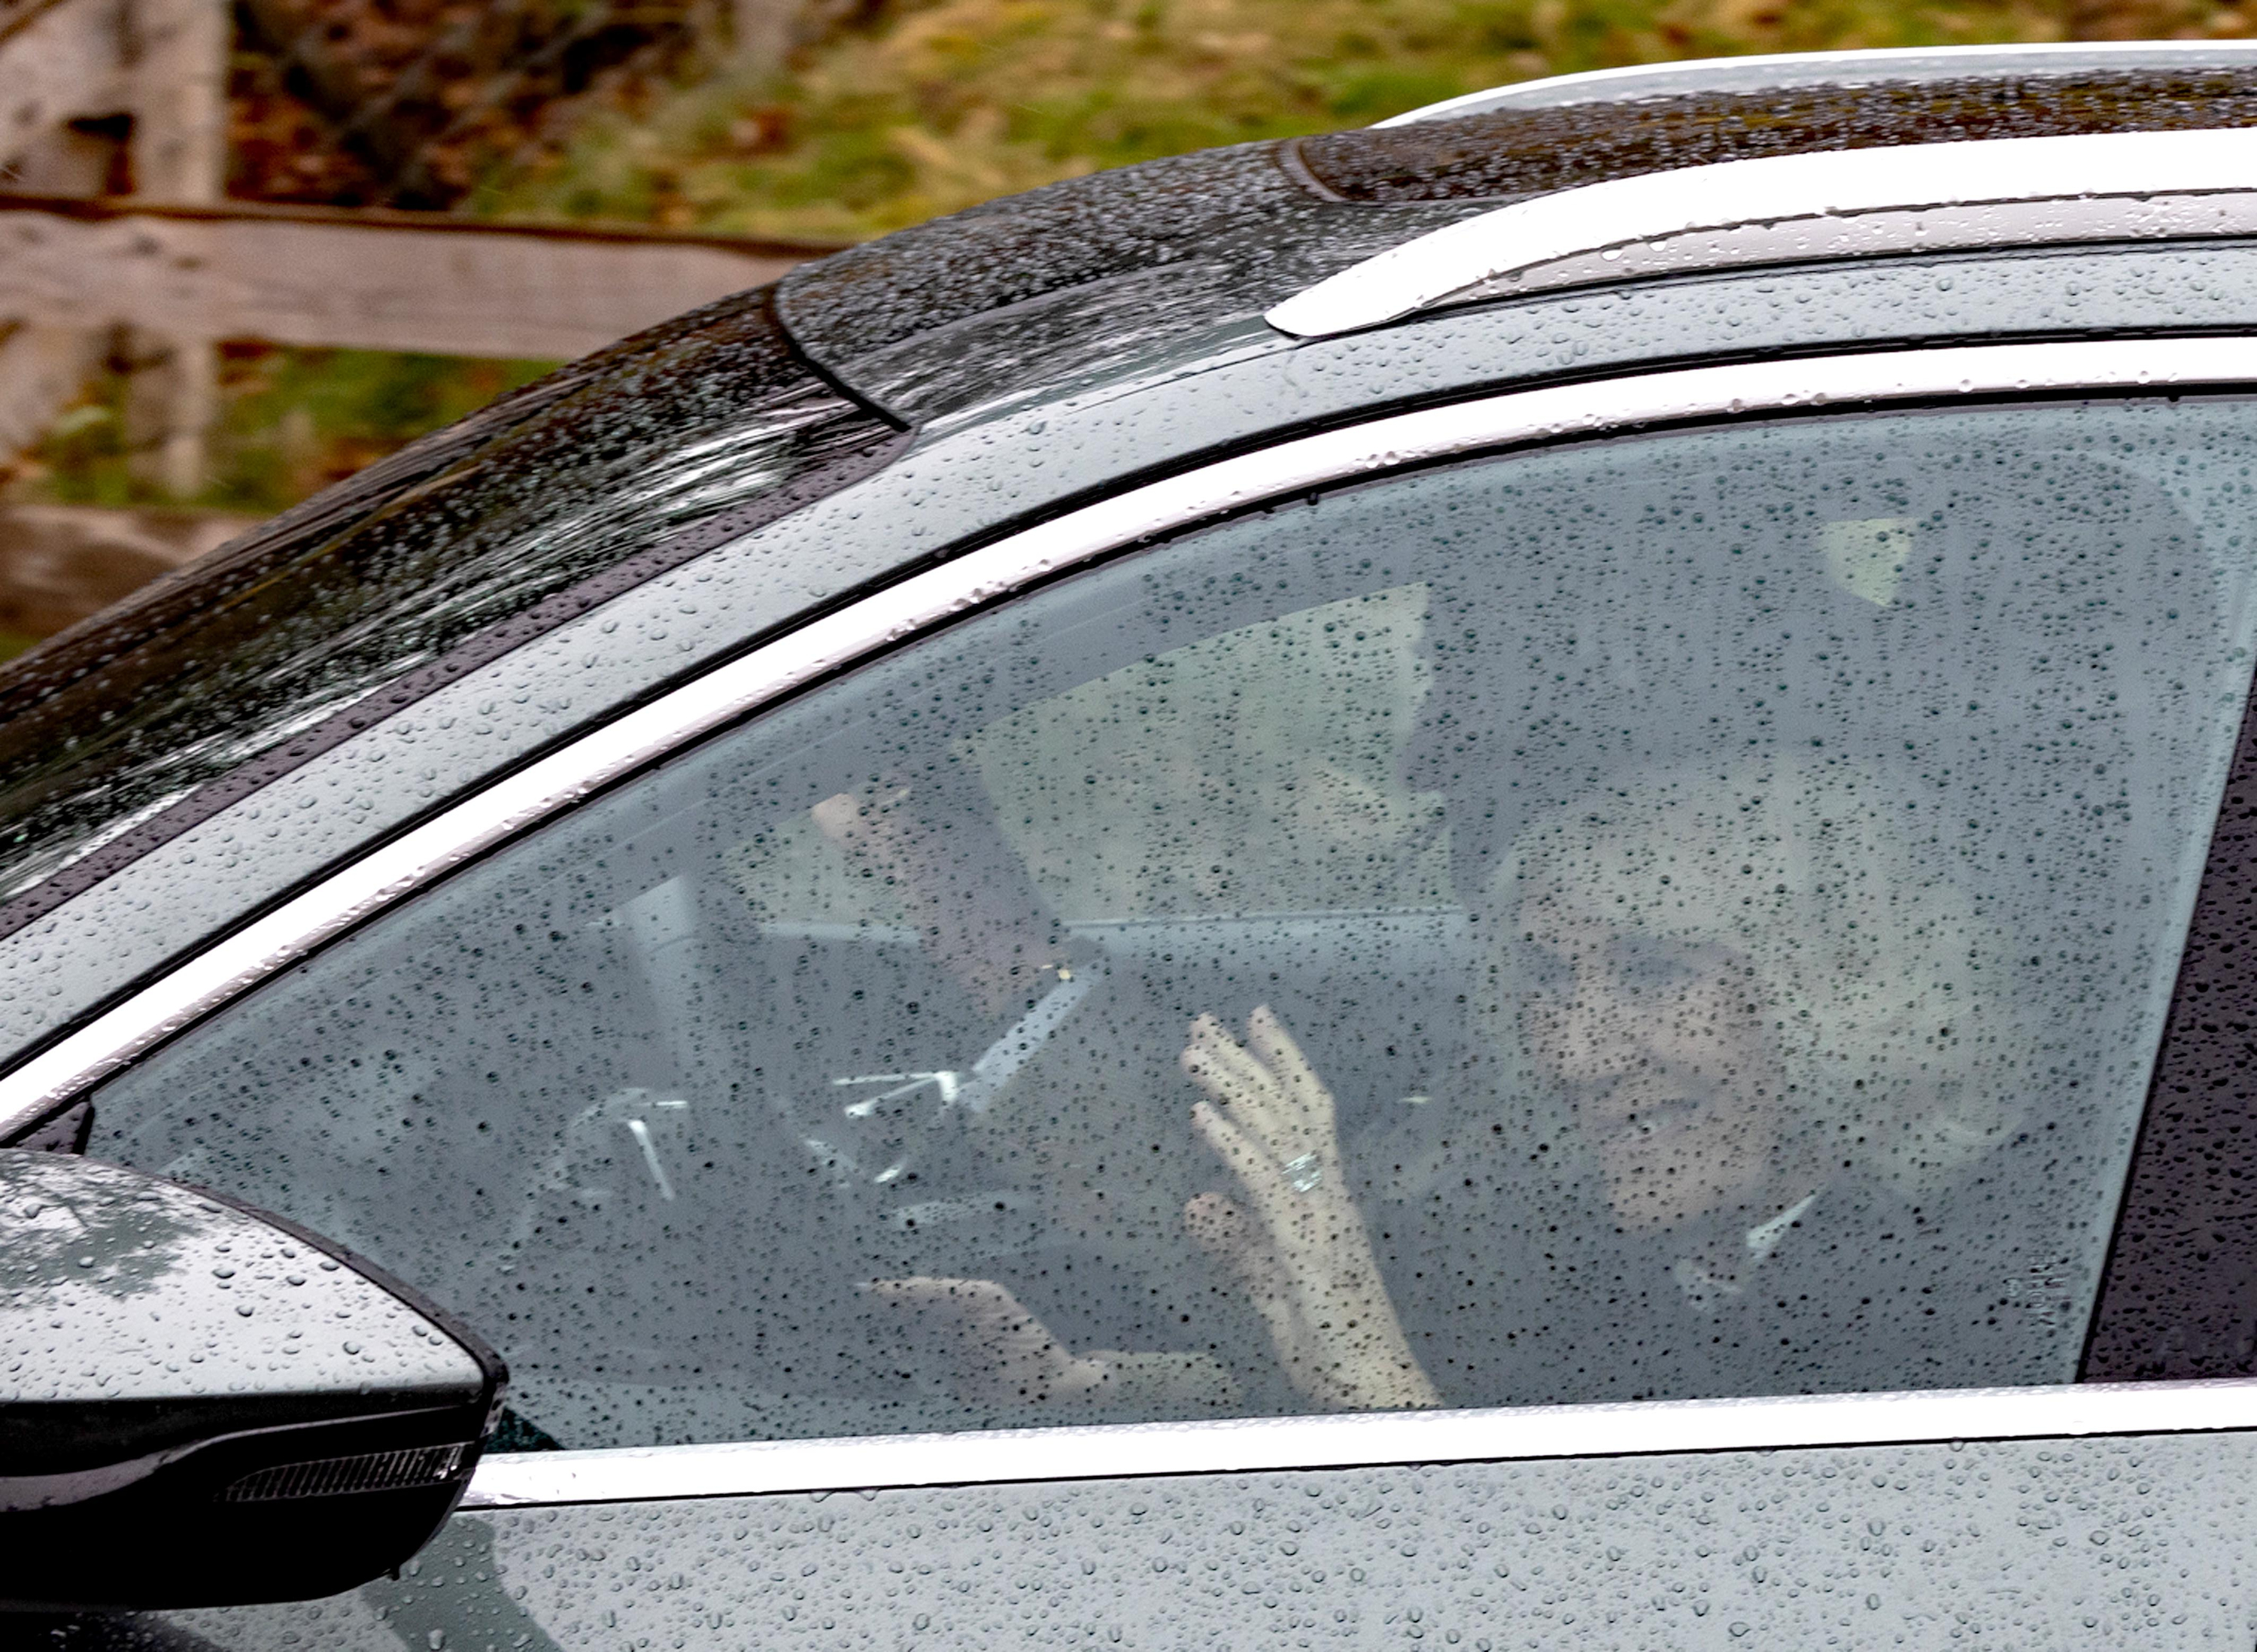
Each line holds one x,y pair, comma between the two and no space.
1302,1256
1003,1355
1000,1351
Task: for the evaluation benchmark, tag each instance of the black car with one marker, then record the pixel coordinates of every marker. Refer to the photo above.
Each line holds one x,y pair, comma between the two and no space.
1485,881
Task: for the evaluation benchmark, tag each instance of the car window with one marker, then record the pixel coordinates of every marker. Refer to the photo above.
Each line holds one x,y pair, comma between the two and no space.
1688,915
1128,760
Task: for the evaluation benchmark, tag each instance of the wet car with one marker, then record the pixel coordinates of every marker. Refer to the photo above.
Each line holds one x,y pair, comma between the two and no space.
1484,882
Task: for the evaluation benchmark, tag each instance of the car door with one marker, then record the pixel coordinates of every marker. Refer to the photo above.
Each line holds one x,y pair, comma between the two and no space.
1525,1024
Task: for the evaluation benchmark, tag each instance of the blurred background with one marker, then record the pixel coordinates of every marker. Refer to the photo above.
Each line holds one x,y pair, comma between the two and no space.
249,246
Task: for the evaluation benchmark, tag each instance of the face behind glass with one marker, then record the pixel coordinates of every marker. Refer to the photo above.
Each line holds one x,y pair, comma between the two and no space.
1664,1051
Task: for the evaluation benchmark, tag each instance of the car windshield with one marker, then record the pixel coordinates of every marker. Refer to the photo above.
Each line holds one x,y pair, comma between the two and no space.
610,465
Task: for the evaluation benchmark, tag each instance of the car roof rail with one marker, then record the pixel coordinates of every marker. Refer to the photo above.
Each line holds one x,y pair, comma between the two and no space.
1777,71
1881,189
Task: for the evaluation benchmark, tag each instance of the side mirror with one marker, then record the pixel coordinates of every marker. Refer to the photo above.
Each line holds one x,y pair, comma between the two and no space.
201,1405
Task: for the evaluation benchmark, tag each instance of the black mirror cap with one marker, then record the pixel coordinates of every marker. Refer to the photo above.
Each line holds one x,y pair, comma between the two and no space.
202,1404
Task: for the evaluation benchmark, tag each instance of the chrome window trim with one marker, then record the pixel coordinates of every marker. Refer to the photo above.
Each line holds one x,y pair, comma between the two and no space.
358,891
1779,71
2016,224
1368,1440
1830,189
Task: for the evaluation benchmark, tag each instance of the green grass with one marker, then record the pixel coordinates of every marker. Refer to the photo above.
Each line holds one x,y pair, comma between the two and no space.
953,102
291,422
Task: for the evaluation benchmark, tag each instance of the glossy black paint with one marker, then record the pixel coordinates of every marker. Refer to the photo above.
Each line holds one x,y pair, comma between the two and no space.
170,1421
65,1130
558,497
1020,292
1509,154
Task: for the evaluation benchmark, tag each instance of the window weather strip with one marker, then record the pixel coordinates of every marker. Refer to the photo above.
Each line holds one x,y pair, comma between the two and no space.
375,881
2102,186
1372,1439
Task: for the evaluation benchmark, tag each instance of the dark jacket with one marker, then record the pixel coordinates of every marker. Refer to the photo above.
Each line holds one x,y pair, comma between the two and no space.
1517,1286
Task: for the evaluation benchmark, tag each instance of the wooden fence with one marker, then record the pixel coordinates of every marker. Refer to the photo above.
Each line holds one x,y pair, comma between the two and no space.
91,90
364,277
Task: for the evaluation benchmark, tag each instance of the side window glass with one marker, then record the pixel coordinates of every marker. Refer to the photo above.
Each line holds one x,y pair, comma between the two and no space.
1684,916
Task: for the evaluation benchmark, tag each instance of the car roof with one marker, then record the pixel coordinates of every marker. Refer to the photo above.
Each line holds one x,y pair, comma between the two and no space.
131,729
2024,191
931,319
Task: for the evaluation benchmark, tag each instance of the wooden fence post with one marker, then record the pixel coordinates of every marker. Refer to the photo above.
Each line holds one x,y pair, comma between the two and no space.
42,369
762,33
178,52
65,93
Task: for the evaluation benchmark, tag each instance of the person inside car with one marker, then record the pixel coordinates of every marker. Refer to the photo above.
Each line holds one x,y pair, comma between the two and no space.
1784,1049
1748,1055
1749,1085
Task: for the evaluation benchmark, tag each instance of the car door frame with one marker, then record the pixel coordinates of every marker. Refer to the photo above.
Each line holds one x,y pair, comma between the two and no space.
56,1080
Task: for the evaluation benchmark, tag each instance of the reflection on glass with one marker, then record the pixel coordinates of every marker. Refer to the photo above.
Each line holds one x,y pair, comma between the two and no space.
1676,917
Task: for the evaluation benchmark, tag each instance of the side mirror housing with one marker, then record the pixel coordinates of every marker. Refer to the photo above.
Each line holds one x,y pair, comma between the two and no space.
202,1405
